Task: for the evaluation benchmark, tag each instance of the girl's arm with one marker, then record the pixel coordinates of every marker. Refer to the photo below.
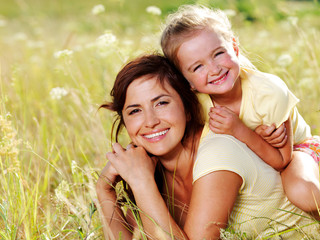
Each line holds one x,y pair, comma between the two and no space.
212,200
224,121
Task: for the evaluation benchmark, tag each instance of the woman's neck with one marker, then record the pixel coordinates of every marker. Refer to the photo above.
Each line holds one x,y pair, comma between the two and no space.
180,165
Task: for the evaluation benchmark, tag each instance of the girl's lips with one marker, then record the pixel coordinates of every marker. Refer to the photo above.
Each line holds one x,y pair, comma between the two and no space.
220,80
155,135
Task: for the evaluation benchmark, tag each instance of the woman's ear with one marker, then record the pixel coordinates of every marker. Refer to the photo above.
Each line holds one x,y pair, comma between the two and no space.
235,46
188,115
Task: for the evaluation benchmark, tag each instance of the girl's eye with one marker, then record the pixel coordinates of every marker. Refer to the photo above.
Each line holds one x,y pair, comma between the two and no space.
196,68
134,111
219,53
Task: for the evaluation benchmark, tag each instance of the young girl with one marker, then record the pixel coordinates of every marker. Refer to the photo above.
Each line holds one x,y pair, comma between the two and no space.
255,107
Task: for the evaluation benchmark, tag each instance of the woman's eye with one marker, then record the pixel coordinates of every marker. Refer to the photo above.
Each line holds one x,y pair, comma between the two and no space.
162,103
134,111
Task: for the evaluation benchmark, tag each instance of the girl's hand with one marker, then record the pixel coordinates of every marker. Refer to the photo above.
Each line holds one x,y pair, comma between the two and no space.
277,138
224,121
133,164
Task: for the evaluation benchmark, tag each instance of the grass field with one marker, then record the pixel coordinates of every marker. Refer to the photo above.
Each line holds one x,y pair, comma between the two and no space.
58,60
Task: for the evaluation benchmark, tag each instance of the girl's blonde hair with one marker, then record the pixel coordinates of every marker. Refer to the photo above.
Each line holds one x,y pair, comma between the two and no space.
187,21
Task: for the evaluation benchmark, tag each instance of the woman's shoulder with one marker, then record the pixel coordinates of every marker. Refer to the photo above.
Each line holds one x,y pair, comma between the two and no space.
223,152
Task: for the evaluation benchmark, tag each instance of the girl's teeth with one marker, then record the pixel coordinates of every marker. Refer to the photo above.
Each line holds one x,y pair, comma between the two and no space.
156,134
220,80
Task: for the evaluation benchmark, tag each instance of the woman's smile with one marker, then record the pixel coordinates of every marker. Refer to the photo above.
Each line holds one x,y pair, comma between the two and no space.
156,136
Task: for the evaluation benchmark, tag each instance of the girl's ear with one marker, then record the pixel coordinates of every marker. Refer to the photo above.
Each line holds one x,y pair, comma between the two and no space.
235,46
192,86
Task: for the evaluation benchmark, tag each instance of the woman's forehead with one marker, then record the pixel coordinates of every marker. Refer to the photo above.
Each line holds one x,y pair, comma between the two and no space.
151,80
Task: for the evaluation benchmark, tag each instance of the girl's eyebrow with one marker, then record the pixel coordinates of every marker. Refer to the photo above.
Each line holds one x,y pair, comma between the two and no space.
152,100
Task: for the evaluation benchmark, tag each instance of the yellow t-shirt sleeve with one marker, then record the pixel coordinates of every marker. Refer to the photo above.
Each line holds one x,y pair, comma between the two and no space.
274,102
220,152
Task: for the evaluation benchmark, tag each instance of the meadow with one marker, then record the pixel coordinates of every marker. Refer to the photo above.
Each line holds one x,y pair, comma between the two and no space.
58,61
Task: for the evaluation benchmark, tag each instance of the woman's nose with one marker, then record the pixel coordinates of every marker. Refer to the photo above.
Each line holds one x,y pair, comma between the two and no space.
151,119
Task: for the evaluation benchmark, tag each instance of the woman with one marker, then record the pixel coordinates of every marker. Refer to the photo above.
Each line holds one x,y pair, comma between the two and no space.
210,180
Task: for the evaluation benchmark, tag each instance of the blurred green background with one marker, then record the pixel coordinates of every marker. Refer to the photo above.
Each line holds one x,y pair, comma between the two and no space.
58,61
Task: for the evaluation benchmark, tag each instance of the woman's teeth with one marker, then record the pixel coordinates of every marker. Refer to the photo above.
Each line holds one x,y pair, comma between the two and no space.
156,134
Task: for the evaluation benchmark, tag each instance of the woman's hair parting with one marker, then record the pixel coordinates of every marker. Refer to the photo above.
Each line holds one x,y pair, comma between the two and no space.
187,21
154,65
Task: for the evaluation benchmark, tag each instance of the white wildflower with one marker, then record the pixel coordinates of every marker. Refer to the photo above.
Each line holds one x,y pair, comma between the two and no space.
36,59
74,166
58,93
153,10
284,60
230,12
35,44
263,34
3,22
97,9
127,42
90,236
106,39
20,36
293,20
63,53
62,191
305,83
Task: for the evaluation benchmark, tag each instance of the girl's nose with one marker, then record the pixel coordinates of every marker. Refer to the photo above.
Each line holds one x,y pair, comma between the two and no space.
213,68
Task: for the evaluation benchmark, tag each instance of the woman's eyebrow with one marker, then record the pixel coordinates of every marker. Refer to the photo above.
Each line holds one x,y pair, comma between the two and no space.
158,97
133,105
152,100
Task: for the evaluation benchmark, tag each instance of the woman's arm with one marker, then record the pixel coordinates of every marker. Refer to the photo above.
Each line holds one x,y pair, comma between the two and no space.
212,200
137,169
113,221
224,121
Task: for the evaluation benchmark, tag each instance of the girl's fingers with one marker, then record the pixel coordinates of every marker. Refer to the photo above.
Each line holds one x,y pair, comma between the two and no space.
268,131
281,129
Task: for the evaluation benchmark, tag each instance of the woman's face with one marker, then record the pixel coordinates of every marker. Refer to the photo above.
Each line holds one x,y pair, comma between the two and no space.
154,116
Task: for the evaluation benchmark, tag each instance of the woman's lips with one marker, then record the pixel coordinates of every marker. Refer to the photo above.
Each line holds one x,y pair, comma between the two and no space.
155,135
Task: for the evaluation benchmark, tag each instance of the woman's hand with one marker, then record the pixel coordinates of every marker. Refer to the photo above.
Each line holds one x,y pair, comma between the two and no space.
107,179
276,137
133,164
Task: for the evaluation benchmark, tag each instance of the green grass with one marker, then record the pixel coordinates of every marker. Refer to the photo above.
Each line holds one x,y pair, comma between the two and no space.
51,148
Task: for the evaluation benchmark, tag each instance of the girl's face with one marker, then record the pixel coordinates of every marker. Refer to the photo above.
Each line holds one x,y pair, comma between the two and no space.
209,62
154,116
